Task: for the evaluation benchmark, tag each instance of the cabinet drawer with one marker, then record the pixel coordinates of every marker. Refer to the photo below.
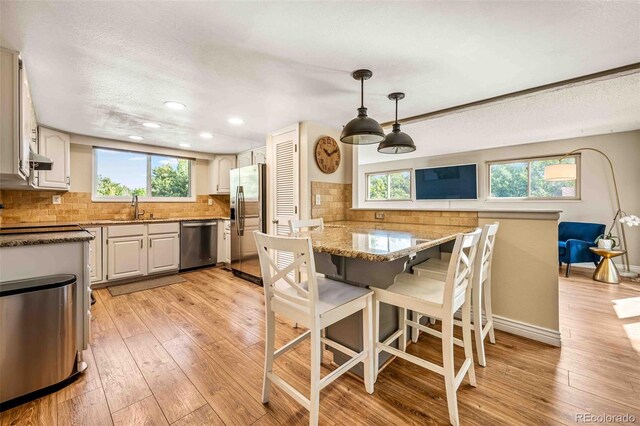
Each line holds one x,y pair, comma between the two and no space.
126,230
164,228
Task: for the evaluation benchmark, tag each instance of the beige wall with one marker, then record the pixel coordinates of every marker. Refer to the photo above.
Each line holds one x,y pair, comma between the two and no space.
525,271
310,172
597,203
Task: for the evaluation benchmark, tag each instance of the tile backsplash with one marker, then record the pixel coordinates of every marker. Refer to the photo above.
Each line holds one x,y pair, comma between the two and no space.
37,206
335,204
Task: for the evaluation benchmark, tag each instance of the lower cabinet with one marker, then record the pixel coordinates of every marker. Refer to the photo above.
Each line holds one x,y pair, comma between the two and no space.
224,241
126,257
164,253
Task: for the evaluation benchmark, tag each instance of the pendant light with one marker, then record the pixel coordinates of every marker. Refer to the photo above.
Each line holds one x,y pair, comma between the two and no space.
362,130
396,142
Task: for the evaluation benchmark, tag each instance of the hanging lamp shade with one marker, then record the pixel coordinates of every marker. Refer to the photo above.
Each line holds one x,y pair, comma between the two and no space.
362,130
397,142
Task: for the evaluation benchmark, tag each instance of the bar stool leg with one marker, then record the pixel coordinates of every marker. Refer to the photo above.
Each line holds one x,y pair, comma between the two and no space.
487,309
402,324
415,333
376,338
316,358
368,344
449,370
268,359
477,323
466,340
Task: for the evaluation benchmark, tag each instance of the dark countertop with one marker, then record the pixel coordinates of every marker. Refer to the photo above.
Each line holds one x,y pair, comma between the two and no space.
44,238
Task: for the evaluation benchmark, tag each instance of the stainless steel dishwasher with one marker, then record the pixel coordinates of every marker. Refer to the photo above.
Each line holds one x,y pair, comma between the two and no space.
37,337
198,243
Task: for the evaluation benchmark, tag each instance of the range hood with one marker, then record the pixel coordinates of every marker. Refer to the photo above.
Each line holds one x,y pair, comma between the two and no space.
39,162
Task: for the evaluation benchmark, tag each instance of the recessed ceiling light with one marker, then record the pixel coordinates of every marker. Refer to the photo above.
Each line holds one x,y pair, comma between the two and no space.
151,125
185,145
136,138
236,120
175,105
206,135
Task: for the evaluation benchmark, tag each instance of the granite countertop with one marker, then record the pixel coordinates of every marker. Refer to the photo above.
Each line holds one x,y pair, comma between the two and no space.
378,242
105,222
16,240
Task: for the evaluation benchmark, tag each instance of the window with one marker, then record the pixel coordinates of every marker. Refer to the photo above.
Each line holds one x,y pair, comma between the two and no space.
395,185
118,175
524,179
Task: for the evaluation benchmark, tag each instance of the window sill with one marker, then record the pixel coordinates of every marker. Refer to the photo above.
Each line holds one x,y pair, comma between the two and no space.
144,200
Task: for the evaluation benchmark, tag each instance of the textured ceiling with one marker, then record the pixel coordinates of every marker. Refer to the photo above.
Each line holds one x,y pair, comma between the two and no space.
605,106
101,68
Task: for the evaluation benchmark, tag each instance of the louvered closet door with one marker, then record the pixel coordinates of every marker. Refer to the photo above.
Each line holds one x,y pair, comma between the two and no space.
286,191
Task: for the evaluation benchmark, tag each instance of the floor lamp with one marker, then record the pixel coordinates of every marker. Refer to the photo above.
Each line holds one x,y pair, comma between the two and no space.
565,171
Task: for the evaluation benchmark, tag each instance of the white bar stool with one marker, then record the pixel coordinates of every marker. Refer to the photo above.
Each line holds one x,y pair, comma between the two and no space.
297,225
439,299
316,303
481,289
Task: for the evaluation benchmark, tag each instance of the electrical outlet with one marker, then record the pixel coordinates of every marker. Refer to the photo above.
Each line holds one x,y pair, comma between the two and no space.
318,200
380,215
56,199
210,201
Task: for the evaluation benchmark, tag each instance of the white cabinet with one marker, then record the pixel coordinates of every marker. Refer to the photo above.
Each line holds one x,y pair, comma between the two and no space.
126,257
260,155
164,247
224,241
56,146
244,159
126,251
164,253
17,120
220,168
95,255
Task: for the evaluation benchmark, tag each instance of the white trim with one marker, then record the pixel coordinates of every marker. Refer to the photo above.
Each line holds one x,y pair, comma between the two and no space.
529,331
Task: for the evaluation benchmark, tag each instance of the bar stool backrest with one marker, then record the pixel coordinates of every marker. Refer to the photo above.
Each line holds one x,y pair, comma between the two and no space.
460,268
283,293
309,224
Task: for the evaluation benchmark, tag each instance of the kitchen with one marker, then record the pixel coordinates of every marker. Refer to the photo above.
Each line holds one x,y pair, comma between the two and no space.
261,256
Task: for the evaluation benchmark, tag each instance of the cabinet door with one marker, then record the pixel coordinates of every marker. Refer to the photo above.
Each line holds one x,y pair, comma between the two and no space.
222,246
244,159
26,134
55,145
222,168
127,257
164,253
260,155
95,254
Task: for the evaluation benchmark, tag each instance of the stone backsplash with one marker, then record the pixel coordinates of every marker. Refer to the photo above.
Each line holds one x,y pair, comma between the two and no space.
37,206
336,205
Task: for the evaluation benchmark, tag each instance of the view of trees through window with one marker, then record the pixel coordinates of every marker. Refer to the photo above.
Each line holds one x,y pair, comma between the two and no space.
124,174
389,185
525,179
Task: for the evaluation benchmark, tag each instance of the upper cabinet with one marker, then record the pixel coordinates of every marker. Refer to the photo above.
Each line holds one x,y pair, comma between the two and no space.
219,171
17,120
260,155
56,146
245,159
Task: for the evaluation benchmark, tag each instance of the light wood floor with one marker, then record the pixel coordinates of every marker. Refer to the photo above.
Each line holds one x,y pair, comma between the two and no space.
192,353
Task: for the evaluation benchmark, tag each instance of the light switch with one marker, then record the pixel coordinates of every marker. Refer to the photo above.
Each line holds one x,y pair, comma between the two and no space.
318,200
56,199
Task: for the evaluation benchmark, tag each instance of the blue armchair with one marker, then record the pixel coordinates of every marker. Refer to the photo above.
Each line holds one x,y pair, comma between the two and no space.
574,240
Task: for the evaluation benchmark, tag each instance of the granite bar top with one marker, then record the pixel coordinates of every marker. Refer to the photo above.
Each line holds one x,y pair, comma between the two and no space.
106,222
44,238
379,242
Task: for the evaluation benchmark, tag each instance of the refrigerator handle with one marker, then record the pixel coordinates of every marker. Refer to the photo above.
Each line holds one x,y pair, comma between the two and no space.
242,212
238,210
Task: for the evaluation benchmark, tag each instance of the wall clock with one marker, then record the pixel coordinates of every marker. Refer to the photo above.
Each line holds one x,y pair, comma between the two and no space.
327,154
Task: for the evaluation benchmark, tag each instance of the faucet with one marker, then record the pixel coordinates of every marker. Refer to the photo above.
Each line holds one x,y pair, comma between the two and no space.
136,213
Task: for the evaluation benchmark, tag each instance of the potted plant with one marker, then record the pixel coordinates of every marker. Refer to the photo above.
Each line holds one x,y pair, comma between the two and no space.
607,241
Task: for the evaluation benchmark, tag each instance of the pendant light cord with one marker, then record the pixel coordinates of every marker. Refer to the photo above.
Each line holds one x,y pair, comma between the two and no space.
362,92
396,110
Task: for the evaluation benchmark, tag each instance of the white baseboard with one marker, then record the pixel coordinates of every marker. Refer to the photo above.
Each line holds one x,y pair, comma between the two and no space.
533,332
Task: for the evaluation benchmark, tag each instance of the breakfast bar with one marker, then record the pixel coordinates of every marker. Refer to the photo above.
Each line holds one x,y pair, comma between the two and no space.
371,255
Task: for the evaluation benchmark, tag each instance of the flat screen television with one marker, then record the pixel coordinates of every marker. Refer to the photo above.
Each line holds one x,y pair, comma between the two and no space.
447,183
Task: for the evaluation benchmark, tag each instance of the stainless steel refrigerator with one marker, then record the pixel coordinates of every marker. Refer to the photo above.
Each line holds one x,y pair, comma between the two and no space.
248,214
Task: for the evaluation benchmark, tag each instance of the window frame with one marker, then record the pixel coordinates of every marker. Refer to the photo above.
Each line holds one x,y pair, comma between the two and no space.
95,197
529,160
388,173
